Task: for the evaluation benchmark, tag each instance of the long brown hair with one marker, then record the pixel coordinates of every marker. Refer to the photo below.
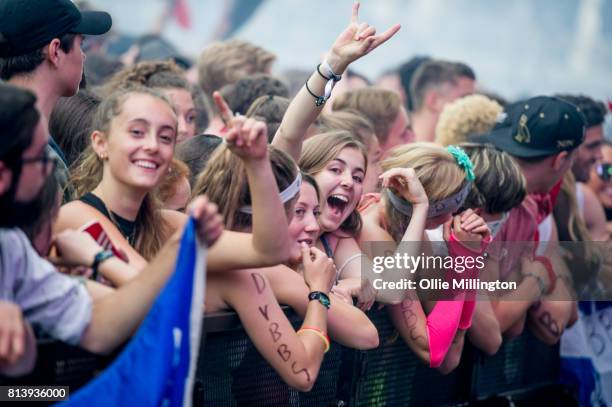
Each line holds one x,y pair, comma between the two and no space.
499,185
224,182
87,173
320,150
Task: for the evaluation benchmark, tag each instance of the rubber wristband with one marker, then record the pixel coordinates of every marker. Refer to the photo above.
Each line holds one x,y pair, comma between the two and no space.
552,276
98,259
317,332
314,328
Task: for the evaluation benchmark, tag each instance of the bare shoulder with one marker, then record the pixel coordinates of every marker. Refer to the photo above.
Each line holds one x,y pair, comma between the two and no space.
371,229
174,219
75,214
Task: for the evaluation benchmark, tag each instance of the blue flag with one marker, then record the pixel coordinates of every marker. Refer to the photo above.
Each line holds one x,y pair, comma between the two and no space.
157,366
586,354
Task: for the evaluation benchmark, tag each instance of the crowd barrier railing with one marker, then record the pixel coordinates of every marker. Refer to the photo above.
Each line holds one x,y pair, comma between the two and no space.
231,372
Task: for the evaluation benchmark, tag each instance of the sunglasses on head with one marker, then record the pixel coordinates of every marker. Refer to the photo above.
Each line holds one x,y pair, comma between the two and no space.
604,171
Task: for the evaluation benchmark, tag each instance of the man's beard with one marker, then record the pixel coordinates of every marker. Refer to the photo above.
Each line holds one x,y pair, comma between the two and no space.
15,214
582,173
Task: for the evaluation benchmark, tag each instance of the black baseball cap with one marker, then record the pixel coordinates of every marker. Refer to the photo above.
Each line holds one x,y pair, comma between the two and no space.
537,127
26,25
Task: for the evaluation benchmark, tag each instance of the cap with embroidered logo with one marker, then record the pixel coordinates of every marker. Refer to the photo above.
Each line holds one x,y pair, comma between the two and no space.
537,127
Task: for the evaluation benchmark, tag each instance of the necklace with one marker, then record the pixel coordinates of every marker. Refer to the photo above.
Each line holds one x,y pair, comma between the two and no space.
131,236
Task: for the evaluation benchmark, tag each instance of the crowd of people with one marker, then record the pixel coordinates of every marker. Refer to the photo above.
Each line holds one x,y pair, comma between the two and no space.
291,180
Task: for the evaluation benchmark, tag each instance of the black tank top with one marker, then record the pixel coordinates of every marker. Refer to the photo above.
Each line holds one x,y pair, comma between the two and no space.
127,228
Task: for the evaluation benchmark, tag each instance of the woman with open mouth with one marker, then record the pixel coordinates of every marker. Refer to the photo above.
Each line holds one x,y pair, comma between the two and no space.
340,174
256,294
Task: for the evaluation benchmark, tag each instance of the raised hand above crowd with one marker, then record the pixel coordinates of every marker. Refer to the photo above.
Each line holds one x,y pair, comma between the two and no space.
357,40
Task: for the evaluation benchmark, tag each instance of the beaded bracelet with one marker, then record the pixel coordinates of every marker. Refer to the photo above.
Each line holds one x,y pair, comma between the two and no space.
321,334
319,100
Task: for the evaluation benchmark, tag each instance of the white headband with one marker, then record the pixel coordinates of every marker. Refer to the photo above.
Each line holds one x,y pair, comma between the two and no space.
286,195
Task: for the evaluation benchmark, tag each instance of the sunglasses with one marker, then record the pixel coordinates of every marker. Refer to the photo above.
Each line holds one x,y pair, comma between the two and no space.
604,171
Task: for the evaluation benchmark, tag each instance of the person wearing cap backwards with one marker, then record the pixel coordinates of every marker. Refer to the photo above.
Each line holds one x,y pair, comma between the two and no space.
543,135
32,292
40,50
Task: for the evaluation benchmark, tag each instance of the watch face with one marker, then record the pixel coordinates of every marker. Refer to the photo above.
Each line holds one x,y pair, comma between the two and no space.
321,297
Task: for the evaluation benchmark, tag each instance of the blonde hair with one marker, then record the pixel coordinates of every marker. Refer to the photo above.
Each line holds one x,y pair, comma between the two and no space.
499,185
380,106
222,63
436,169
322,148
87,171
224,182
467,116
348,120
150,74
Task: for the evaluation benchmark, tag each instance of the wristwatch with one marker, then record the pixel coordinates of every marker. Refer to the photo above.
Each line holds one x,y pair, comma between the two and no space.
321,297
98,259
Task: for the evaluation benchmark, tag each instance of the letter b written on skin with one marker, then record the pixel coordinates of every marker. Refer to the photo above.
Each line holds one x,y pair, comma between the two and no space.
274,332
284,352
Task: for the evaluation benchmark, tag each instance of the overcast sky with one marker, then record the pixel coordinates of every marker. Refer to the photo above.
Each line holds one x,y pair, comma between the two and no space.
517,47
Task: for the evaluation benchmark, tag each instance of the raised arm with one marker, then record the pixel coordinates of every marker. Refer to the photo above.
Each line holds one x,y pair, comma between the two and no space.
357,40
268,243
406,183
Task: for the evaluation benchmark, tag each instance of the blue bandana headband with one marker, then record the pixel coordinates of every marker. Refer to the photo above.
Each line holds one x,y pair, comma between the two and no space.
447,205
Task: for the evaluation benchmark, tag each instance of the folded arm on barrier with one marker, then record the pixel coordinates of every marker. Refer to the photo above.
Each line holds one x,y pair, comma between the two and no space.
296,358
347,325
549,317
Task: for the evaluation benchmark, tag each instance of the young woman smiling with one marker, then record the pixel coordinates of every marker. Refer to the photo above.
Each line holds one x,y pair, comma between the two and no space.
131,149
256,294
357,40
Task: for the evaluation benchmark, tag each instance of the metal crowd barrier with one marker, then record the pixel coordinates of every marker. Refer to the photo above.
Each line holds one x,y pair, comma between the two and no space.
232,373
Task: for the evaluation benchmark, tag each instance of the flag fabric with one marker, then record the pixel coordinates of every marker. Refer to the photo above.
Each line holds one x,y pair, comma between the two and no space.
586,354
180,11
157,367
